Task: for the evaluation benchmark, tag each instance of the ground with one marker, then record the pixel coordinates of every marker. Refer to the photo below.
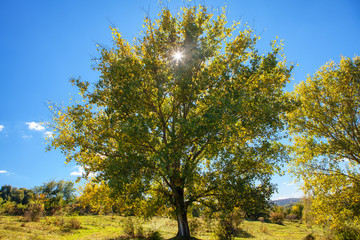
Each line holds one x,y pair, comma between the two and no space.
114,228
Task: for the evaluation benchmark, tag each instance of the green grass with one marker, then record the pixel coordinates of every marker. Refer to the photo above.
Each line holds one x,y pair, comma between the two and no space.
111,228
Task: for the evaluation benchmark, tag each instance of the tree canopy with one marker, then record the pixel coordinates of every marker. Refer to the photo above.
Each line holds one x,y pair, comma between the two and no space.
326,141
188,112
56,194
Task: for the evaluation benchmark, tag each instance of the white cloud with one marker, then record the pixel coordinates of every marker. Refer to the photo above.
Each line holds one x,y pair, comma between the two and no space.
289,184
81,172
3,171
35,126
27,136
49,134
1,127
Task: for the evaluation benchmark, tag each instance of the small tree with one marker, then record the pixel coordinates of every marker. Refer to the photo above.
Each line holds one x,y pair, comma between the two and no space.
325,131
5,192
187,113
98,197
56,194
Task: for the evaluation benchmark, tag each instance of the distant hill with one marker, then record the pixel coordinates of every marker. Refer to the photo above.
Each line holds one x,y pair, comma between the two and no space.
286,201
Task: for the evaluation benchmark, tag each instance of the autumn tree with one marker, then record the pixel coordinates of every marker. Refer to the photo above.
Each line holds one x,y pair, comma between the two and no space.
188,112
97,197
326,141
56,194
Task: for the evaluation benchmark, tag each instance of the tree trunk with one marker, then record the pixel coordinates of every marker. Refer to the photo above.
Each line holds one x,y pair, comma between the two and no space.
181,214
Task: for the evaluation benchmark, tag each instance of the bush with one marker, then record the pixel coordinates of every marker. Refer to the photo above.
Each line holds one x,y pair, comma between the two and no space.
34,212
291,217
64,224
261,219
225,230
347,233
58,221
133,229
73,223
229,226
277,218
9,208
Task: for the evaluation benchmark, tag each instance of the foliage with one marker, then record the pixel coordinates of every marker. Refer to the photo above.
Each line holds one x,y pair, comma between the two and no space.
129,228
65,224
20,196
277,218
297,210
347,233
9,208
56,194
98,197
307,214
132,228
72,223
34,212
229,225
5,192
225,230
325,135
292,217
194,225
199,127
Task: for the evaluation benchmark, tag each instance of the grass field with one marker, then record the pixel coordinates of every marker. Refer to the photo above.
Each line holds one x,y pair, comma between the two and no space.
112,228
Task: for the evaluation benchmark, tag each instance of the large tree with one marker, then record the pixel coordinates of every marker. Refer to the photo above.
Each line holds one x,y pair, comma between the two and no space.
186,113
326,141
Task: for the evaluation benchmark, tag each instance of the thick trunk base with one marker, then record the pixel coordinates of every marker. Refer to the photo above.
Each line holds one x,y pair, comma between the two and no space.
181,213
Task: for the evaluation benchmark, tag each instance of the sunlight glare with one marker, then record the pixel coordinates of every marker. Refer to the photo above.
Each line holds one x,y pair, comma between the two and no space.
178,56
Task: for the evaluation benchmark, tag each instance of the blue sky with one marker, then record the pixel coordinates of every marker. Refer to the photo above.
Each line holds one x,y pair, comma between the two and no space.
44,43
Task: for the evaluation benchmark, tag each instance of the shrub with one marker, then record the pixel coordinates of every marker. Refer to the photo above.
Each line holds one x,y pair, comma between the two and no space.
347,233
229,226
291,217
261,219
34,212
277,218
9,208
225,230
58,221
73,223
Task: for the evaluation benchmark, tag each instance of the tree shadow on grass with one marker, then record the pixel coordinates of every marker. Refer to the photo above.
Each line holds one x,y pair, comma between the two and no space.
149,238
244,234
179,238
132,238
135,238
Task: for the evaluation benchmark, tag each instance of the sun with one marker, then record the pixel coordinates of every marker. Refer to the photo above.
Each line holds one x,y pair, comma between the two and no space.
178,56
